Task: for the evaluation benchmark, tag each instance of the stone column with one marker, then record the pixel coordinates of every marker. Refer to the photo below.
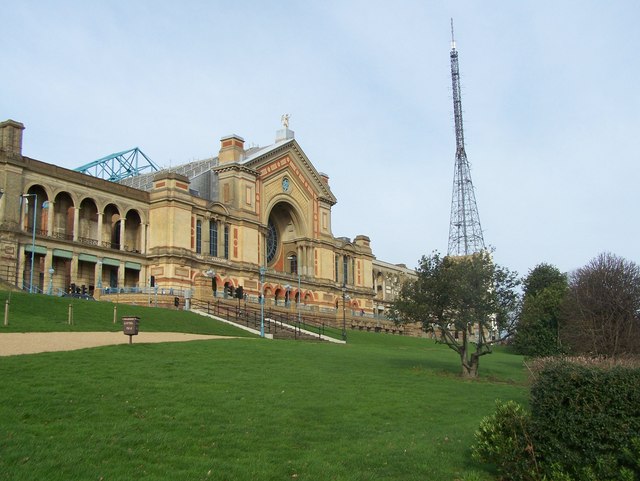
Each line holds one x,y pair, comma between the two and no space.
97,275
100,219
76,223
23,212
48,264
143,238
50,215
22,261
121,274
123,221
74,269
311,262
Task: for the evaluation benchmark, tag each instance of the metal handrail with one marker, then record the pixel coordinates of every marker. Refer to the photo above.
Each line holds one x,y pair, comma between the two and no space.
249,316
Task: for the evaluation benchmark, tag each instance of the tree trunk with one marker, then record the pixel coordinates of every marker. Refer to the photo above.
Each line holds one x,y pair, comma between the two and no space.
470,369
470,363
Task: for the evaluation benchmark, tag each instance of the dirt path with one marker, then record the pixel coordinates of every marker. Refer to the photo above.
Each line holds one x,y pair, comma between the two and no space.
12,344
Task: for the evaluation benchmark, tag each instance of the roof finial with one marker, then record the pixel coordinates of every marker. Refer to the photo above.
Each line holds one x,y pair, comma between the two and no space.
285,120
453,41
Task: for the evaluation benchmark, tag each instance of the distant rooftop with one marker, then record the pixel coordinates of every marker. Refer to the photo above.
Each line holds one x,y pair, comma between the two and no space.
190,170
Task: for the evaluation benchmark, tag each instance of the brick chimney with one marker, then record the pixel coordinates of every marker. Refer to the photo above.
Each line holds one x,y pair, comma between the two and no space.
231,149
11,137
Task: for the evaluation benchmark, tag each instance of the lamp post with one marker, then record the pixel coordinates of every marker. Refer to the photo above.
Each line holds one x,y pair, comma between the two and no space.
263,270
344,312
211,274
33,238
51,271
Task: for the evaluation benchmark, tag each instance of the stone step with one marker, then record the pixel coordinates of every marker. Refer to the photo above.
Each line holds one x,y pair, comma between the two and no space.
285,333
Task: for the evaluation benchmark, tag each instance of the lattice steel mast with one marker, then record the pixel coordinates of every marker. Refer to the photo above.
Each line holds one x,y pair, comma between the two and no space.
465,233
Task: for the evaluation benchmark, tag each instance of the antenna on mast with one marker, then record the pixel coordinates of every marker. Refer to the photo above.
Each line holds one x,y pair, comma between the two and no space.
453,41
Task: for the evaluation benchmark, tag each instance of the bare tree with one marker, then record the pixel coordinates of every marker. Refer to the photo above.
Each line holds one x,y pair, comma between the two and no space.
601,314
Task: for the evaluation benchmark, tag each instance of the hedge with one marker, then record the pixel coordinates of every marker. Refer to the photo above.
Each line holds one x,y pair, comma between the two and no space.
585,420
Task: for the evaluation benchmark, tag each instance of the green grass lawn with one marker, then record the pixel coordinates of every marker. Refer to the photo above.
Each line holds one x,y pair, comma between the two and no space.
40,313
381,407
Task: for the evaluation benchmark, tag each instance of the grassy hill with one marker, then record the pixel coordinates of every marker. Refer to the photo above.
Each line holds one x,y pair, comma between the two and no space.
40,313
379,408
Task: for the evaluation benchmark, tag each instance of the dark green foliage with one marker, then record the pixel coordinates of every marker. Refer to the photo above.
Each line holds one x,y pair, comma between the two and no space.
504,440
542,277
467,302
584,419
537,332
584,425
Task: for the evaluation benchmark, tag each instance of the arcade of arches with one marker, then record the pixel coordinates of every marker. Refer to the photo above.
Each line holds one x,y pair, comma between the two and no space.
258,219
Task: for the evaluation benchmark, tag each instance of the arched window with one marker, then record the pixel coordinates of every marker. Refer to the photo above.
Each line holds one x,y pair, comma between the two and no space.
293,263
272,241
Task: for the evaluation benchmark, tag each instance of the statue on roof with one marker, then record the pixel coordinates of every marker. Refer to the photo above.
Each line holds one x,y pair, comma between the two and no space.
285,120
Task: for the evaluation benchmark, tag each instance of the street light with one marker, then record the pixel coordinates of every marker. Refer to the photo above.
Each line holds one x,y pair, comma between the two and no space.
263,270
33,238
51,271
211,274
344,312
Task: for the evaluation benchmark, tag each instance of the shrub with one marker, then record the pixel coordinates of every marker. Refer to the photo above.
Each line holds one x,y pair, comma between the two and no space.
584,419
503,439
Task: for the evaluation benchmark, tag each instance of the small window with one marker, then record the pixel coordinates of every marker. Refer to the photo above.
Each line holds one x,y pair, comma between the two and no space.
226,241
199,237
213,238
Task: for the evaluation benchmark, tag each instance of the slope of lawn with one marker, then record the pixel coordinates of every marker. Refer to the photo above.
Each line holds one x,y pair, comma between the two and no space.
381,407
40,313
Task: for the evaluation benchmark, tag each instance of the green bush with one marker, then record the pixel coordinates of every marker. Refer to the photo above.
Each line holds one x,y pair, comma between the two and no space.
584,420
503,439
584,425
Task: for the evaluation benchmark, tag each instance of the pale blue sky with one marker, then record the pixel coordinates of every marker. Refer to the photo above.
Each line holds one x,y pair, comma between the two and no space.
550,99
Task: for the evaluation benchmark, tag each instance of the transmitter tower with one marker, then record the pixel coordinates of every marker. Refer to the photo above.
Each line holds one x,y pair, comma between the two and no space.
465,233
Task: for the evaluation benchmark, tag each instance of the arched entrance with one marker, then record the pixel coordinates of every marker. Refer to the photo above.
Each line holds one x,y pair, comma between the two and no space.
285,225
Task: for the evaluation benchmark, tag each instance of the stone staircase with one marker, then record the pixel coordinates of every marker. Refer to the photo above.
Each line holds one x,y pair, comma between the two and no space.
285,331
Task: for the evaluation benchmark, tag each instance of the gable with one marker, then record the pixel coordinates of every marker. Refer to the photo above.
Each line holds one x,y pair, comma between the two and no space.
287,160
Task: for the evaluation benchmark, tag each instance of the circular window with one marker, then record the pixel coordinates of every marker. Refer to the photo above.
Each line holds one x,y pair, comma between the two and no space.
272,241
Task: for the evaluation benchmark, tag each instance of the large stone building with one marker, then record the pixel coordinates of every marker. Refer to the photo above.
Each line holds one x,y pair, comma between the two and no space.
199,230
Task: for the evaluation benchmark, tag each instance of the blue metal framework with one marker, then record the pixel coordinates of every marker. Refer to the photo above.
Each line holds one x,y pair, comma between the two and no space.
119,166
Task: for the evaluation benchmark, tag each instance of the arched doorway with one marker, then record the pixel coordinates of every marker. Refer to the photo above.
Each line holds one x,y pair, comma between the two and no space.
285,225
